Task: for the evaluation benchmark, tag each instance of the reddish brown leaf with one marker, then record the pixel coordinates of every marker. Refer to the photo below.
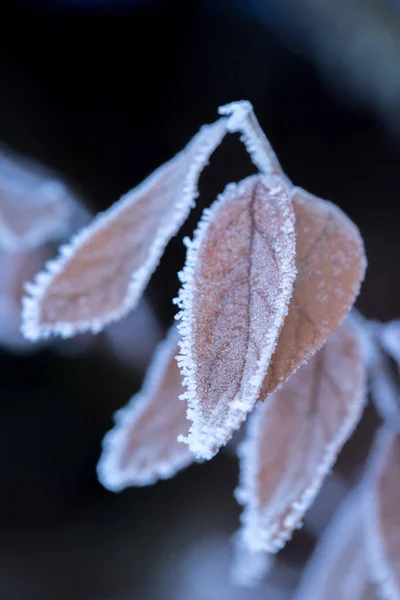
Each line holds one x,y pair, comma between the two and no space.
338,569
331,265
382,513
100,275
238,281
294,438
143,445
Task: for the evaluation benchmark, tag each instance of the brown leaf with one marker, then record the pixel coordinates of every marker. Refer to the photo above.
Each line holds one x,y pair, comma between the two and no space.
382,513
331,264
143,446
100,275
237,284
294,438
338,569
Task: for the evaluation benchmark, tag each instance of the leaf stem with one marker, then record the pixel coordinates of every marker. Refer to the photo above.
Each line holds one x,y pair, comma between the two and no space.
242,119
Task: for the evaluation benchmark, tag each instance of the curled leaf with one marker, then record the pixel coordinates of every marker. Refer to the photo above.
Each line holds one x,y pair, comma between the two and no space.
331,264
294,438
382,518
238,281
338,569
100,275
34,207
143,446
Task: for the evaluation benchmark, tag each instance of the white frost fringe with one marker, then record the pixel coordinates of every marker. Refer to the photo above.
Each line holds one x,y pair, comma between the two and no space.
381,569
33,329
109,472
259,532
203,440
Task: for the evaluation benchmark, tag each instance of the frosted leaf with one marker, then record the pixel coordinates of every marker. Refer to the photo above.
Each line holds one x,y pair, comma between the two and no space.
331,265
294,438
100,275
142,447
338,568
237,283
382,517
34,207
390,339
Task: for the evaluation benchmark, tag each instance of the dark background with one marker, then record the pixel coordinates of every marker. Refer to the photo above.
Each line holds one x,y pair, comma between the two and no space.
104,92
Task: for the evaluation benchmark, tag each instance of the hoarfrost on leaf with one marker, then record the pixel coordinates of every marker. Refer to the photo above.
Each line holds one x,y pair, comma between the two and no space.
101,273
143,446
382,519
241,118
330,268
338,568
294,438
237,284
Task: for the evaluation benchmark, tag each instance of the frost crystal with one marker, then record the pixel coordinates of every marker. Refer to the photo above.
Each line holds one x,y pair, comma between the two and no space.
142,447
100,275
237,284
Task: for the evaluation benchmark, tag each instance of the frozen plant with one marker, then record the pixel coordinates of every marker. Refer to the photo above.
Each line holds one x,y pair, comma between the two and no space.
270,277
